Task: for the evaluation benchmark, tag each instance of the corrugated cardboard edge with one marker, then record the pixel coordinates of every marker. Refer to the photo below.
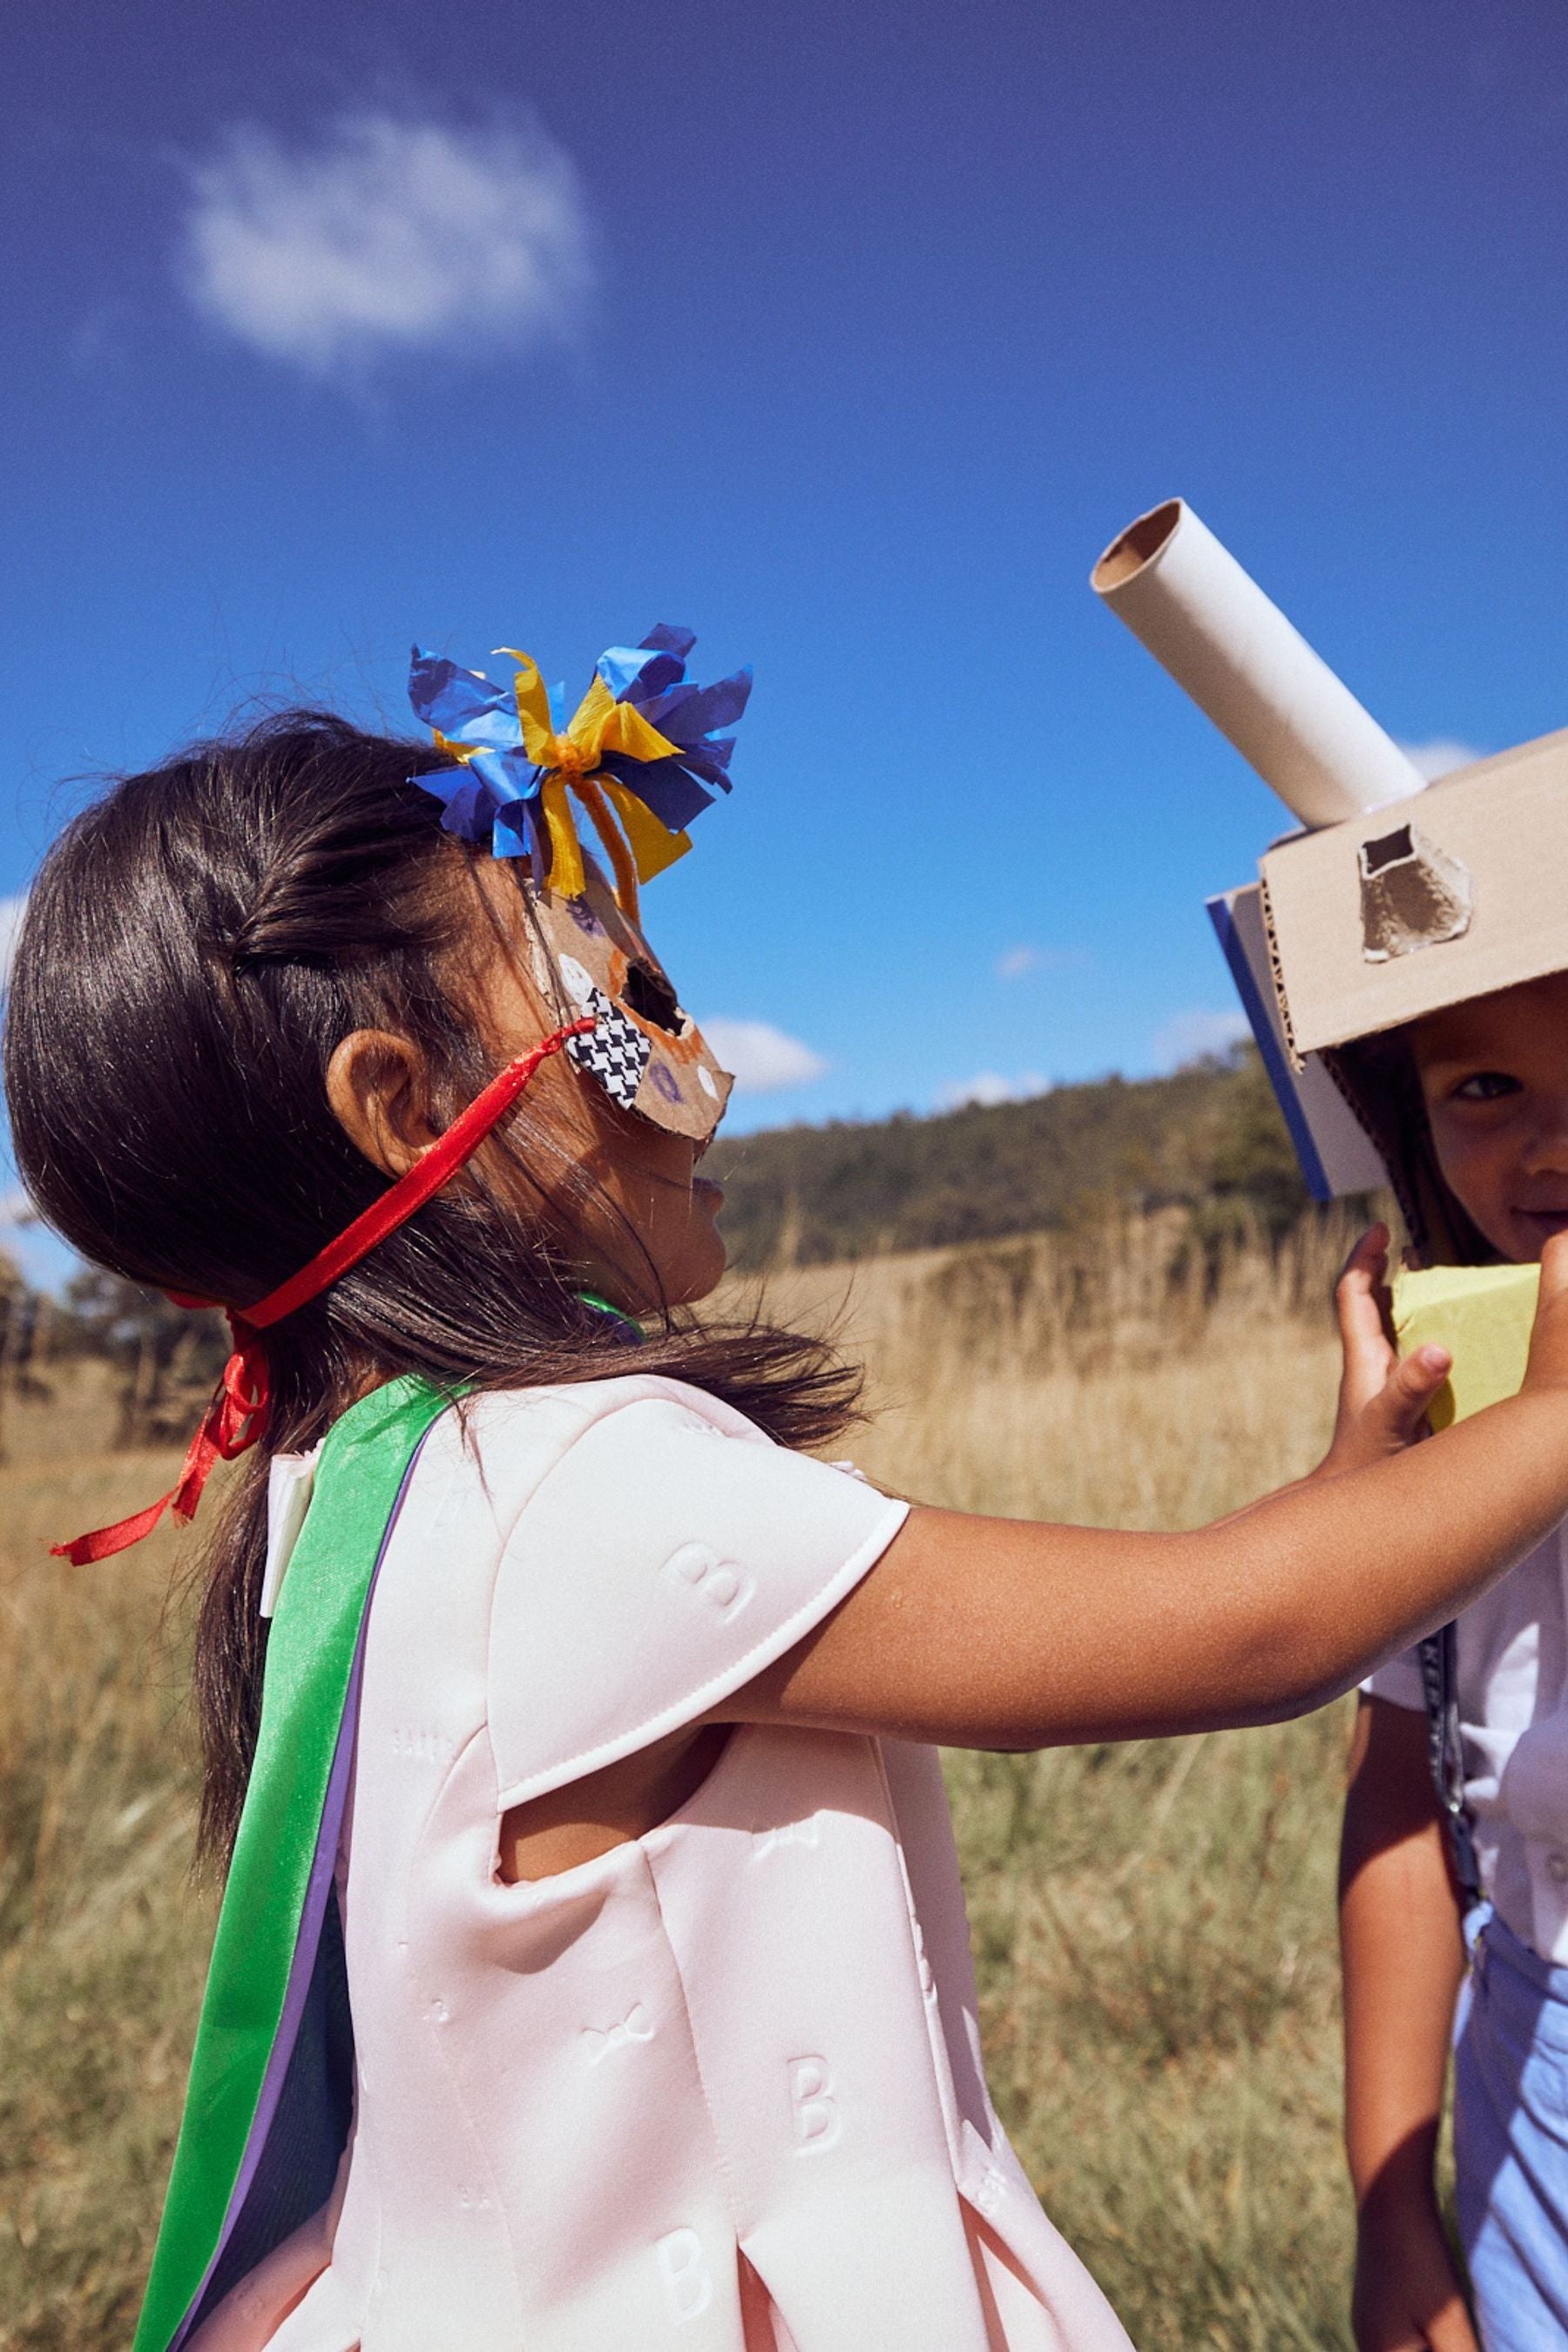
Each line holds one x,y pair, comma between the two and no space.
1277,971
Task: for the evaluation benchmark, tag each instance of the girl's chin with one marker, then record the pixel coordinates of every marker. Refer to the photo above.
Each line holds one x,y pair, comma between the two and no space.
691,1263
705,1258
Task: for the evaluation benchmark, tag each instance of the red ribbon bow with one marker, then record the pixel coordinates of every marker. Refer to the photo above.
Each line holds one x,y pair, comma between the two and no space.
237,1416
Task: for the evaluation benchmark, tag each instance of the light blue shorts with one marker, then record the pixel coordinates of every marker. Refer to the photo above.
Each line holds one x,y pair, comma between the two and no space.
1510,2141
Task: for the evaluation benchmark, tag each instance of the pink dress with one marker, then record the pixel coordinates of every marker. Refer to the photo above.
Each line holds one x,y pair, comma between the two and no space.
719,2089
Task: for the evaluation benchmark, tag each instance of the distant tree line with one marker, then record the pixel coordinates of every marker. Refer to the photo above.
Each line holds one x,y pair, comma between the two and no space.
167,1357
164,1360
1209,1139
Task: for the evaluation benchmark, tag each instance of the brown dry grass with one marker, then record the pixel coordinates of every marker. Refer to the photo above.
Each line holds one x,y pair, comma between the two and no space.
1152,1923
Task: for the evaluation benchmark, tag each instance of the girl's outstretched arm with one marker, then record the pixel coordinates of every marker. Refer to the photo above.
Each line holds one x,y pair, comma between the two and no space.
1403,1958
1005,1634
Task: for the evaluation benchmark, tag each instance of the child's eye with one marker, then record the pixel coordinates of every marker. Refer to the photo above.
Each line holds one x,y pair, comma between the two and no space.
1484,1085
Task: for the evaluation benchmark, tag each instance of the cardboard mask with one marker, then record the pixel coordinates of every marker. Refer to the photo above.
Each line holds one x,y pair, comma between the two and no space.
647,1054
1395,898
642,755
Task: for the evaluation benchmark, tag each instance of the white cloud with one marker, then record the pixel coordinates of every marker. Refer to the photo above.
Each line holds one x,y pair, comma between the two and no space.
388,234
11,913
989,1086
1017,961
1187,1036
764,1059
1441,756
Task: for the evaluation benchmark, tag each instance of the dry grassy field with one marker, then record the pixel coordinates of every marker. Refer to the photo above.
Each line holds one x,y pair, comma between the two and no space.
1152,1923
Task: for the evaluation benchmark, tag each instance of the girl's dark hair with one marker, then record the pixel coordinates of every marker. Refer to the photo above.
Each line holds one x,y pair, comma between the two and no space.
1378,1075
196,944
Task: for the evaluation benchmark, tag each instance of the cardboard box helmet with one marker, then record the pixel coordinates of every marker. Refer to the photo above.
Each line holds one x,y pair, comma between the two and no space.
1395,898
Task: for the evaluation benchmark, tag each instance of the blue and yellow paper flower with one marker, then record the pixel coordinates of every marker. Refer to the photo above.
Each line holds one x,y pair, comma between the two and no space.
642,753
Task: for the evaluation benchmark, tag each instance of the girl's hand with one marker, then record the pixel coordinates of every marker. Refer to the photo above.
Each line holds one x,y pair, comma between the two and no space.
1383,1402
1407,2296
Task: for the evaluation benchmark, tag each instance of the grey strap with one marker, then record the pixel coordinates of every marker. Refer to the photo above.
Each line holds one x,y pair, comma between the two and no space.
1445,1753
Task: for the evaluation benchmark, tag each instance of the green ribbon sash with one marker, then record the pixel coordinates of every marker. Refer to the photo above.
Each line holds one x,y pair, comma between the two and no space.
277,1930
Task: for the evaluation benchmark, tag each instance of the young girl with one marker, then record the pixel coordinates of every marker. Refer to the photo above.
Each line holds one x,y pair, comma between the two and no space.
1472,1107
592,1970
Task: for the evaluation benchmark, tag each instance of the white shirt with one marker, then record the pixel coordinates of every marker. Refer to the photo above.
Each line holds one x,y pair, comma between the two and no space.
1513,1713
720,2087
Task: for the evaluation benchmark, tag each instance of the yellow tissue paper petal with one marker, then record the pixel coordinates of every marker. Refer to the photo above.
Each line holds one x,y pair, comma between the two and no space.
1482,1314
626,729
533,709
653,845
566,877
586,726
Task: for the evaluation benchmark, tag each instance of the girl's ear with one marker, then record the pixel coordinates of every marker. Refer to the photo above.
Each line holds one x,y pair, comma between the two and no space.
377,1086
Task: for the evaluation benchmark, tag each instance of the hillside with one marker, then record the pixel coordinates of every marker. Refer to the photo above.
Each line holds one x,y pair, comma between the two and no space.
1210,1138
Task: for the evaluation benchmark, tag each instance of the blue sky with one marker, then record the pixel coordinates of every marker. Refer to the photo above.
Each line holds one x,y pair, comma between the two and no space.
847,337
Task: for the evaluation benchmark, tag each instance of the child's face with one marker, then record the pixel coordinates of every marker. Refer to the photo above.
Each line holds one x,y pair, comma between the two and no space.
1494,1077
643,1176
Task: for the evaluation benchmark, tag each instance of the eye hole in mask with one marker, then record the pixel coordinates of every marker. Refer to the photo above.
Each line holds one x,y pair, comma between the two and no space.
651,998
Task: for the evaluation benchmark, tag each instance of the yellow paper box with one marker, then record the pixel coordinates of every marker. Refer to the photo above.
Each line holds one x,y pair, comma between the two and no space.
1482,1314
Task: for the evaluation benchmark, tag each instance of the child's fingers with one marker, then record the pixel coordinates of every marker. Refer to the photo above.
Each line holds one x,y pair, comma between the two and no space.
1360,1285
1369,1257
1392,1418
1358,1307
1408,1391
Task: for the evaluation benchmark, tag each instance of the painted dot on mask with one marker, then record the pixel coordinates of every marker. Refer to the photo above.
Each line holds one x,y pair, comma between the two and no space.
583,915
665,1083
576,982
705,1080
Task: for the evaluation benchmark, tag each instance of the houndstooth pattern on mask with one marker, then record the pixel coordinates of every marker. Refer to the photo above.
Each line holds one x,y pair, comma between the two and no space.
614,1051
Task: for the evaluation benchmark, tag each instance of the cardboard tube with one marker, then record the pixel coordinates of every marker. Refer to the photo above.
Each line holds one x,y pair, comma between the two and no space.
1189,601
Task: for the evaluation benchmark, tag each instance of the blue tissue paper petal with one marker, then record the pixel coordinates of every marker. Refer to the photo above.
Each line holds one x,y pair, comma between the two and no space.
646,674
462,704
637,673
508,773
445,783
710,764
665,786
468,812
664,637
622,668
509,835
686,713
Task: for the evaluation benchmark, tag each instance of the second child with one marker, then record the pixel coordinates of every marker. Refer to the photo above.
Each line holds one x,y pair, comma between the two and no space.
1473,1104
